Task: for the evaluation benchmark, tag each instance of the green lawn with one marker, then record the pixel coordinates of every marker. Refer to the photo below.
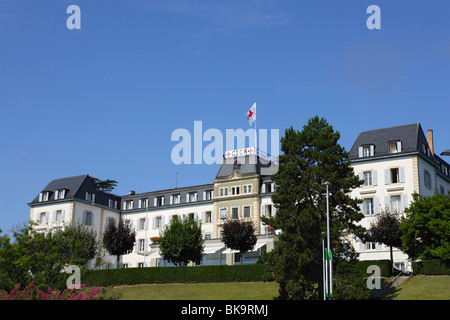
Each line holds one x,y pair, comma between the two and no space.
195,291
416,288
423,288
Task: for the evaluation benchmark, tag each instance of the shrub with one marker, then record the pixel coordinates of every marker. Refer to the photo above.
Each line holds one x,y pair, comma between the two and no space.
431,267
197,274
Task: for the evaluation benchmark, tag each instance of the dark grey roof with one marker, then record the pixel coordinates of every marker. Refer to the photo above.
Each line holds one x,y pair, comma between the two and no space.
76,187
244,166
410,135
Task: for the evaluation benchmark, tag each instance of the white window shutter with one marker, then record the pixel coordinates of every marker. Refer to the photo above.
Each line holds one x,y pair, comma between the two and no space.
155,202
40,197
56,194
405,201
84,217
195,196
86,196
131,204
360,152
203,216
376,205
374,177
124,205
140,204
171,200
187,197
163,200
402,174
63,215
386,176
372,150
262,214
204,195
386,204
378,246
212,194
263,188
399,146
93,197
179,198
53,216
360,175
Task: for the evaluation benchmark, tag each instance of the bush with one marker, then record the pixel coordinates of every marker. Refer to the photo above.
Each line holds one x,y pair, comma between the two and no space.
431,267
385,266
198,274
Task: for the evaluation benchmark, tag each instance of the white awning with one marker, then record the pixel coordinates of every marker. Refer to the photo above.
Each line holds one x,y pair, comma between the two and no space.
208,250
257,246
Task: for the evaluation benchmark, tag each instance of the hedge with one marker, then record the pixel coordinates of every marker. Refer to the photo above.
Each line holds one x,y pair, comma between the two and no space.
222,273
385,266
431,267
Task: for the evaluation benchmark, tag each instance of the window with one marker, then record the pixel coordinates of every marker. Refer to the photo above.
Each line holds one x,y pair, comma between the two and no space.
207,236
158,222
395,175
144,202
208,217
395,204
44,196
88,218
58,216
141,245
366,151
128,205
142,224
234,212
247,188
60,194
223,191
268,210
427,177
441,189
159,201
367,178
395,147
368,206
140,264
112,204
191,197
42,218
223,213
111,221
208,195
90,196
174,218
191,216
369,245
235,190
246,211
128,223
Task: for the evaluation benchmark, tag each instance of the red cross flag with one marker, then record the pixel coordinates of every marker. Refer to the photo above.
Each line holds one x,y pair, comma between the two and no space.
251,114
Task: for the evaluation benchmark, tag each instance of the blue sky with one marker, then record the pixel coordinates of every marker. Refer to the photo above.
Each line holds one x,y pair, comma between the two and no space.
105,99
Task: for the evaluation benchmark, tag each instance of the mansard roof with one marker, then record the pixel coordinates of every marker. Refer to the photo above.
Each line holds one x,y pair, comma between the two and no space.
244,166
411,137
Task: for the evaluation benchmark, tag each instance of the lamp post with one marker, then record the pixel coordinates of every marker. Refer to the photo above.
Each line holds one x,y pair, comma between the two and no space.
328,252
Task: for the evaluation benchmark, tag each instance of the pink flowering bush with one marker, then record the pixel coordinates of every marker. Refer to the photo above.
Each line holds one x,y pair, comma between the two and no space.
29,293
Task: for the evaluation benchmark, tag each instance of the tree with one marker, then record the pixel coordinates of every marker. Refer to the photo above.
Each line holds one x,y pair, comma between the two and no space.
239,235
77,244
181,241
107,185
309,159
426,228
118,240
385,229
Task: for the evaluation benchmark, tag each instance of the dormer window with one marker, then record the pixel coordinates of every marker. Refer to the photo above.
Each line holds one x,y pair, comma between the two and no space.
44,196
60,194
366,151
395,146
90,197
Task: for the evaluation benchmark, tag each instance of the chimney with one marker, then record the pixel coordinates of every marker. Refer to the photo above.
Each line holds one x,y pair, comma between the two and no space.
131,192
430,141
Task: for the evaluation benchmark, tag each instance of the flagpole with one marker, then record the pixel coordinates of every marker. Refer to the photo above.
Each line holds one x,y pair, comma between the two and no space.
256,135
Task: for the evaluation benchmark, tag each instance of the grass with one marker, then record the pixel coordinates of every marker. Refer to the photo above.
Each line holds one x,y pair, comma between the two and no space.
422,287
416,288
194,291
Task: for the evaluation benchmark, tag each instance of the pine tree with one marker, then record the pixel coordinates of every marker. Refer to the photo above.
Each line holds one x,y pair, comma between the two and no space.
309,159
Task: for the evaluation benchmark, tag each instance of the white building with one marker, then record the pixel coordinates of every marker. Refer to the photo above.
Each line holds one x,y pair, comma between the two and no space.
239,191
394,163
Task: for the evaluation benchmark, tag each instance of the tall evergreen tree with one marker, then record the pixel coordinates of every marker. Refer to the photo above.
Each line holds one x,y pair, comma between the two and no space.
309,159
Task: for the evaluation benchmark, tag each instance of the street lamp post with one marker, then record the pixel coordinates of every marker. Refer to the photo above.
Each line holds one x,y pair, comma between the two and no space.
328,253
